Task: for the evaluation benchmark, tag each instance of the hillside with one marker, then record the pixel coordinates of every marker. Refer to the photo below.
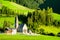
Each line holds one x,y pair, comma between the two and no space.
29,3
21,9
15,7
34,4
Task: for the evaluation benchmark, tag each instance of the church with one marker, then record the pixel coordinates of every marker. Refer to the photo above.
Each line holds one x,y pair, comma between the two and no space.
22,28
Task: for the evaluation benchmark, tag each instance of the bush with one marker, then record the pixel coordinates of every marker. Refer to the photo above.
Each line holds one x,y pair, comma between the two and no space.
51,34
5,25
1,30
42,31
58,34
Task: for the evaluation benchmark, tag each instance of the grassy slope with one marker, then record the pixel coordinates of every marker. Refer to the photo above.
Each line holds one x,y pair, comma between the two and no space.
21,9
27,37
15,7
56,16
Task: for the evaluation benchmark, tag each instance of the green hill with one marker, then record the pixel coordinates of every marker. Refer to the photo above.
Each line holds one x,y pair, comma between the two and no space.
15,7
21,9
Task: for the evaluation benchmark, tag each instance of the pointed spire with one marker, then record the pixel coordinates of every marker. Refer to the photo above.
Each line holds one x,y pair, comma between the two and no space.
16,22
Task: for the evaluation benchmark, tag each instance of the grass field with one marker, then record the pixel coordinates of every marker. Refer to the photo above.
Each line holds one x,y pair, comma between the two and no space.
27,37
56,16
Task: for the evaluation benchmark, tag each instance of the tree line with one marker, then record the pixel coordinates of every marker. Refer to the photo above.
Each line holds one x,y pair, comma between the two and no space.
29,3
41,17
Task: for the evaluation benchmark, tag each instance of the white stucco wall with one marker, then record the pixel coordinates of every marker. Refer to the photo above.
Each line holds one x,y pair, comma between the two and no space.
25,28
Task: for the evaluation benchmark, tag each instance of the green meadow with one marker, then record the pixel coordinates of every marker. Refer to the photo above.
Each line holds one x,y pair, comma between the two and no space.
27,37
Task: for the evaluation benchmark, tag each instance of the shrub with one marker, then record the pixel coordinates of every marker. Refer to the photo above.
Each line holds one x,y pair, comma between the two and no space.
51,34
5,25
42,31
1,30
58,34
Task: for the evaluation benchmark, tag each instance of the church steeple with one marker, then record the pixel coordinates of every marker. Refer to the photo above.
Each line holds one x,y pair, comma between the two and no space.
16,22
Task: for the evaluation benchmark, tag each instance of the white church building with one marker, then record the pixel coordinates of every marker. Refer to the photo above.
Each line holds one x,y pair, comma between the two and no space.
22,28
